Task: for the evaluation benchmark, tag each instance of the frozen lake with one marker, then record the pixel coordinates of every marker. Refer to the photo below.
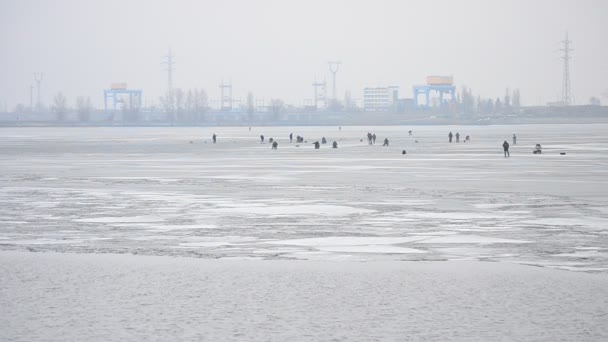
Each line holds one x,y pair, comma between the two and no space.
150,191
309,221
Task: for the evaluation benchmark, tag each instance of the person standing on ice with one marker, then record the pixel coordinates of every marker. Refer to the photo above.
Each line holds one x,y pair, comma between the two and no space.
290,137
514,139
374,137
505,147
385,142
334,145
316,143
450,136
274,145
214,138
457,137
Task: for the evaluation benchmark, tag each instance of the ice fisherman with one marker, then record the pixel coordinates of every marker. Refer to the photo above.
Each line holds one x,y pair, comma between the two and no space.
262,138
505,147
316,143
457,137
274,145
514,139
323,141
450,136
214,138
385,142
334,145
374,137
290,137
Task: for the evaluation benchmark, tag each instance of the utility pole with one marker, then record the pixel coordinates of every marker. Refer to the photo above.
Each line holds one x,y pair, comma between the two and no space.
333,68
38,76
566,95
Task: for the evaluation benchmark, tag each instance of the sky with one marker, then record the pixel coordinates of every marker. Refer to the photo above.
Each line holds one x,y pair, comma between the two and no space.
276,48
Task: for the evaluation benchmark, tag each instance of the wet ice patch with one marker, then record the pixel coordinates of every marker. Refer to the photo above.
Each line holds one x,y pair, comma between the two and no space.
109,219
348,241
379,249
325,210
476,239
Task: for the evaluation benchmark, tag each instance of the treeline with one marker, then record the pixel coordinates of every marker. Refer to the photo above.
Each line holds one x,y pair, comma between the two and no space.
468,103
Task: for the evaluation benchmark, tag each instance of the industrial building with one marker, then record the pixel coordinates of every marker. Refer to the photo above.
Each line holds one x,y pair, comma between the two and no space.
380,98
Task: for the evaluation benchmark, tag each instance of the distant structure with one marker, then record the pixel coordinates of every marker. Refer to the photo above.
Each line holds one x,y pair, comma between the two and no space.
168,60
333,68
38,76
566,95
439,84
380,98
320,93
118,93
226,96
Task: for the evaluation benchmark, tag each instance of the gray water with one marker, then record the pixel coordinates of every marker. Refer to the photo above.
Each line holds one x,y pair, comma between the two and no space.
71,297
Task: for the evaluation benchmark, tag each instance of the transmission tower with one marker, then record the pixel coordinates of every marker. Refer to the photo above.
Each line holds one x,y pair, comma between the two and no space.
320,94
226,100
38,76
168,60
333,68
566,95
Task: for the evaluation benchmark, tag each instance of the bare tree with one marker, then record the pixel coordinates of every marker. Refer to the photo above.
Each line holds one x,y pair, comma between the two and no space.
516,100
167,103
276,107
84,107
60,106
201,104
179,104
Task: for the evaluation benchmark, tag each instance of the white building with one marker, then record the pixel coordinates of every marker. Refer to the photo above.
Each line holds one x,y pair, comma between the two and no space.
380,98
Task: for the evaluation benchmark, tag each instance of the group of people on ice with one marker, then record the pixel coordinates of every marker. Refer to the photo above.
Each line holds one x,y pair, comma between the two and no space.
457,136
371,139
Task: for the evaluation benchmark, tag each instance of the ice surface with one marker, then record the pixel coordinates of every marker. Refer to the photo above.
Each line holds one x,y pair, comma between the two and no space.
149,191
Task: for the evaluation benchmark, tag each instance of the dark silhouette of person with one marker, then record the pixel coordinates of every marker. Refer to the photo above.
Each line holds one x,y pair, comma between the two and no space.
274,145
505,147
385,142
262,138
467,138
214,138
334,145
316,143
457,137
537,149
403,152
369,138
323,141
374,137
450,136
290,137
514,139
270,140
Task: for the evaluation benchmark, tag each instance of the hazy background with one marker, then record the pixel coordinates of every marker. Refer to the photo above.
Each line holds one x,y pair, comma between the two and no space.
276,48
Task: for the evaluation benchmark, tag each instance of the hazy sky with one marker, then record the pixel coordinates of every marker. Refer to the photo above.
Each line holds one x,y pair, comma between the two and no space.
276,48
